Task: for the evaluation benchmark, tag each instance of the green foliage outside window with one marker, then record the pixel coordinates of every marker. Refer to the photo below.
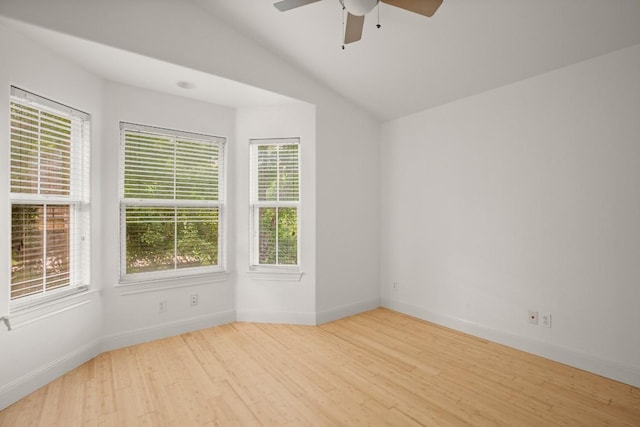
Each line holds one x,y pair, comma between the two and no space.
165,235
40,232
283,224
277,181
168,238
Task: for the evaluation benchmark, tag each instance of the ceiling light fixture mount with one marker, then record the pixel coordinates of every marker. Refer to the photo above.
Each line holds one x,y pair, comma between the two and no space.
185,84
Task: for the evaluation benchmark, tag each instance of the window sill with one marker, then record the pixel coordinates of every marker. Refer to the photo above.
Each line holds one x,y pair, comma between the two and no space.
161,284
26,315
276,274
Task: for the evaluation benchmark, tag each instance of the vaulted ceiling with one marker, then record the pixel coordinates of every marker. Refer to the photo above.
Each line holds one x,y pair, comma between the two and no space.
413,63
410,64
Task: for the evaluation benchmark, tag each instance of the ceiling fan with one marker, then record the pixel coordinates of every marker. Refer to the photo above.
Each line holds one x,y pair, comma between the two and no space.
357,9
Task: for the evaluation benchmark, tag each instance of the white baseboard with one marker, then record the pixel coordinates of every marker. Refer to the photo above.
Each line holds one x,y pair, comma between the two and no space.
345,311
28,383
289,318
606,368
141,335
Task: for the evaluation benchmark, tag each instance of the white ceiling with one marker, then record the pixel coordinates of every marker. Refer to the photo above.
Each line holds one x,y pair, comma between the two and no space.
141,71
413,63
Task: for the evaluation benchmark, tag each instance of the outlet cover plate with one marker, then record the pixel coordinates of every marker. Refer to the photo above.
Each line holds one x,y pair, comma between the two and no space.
545,320
162,306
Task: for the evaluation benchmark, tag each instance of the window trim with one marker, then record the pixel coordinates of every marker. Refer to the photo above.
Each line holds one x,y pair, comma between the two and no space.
280,272
128,279
78,201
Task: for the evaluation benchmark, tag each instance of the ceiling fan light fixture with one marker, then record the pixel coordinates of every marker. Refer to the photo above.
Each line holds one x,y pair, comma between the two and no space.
353,20
359,7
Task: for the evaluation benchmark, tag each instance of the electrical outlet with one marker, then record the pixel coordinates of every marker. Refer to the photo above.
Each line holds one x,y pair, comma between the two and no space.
533,317
194,299
545,320
162,306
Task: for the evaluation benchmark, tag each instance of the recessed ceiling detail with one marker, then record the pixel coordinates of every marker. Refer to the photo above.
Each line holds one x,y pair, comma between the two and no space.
185,85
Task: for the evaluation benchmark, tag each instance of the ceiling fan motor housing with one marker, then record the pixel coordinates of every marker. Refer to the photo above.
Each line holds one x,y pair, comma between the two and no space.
359,7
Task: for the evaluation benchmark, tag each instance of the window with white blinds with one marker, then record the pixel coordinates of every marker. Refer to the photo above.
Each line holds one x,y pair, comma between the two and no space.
171,202
49,196
275,202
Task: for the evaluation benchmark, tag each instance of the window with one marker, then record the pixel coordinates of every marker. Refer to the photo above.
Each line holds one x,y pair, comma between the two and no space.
49,198
275,202
171,202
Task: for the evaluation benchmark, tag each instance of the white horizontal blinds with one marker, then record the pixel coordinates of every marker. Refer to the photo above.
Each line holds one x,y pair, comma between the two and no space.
27,250
41,151
148,166
49,197
288,173
197,170
36,231
172,200
169,167
266,174
275,199
277,172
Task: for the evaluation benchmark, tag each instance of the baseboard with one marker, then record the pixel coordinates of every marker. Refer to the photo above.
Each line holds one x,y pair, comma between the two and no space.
346,310
306,318
141,335
28,383
606,368
290,318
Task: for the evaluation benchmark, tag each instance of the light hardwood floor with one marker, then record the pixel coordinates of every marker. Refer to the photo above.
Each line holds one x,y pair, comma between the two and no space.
376,368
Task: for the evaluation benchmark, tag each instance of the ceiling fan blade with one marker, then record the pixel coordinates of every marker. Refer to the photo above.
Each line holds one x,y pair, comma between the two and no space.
285,5
423,7
353,31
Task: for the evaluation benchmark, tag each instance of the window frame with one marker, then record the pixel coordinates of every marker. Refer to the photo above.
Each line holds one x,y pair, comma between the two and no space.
124,202
255,205
77,199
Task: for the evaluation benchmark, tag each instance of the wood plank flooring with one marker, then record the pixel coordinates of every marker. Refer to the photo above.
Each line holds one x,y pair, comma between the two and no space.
376,368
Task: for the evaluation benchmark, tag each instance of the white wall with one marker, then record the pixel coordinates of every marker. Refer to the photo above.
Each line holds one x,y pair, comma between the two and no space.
333,192
348,232
524,197
258,297
131,312
35,352
340,215
347,139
